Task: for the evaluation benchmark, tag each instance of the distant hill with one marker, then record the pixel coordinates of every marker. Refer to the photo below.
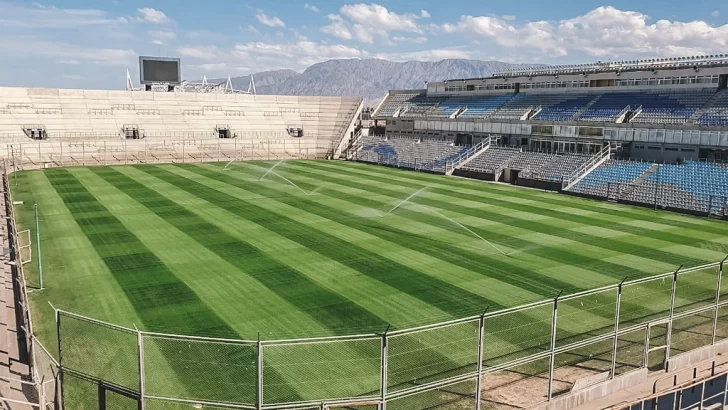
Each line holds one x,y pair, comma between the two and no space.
370,78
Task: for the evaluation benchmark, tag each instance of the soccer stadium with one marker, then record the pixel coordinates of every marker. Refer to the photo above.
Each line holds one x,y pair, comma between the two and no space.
546,238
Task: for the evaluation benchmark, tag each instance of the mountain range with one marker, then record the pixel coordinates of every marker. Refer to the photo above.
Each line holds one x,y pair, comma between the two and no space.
369,78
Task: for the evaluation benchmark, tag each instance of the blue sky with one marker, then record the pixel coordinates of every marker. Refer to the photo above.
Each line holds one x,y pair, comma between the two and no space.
74,43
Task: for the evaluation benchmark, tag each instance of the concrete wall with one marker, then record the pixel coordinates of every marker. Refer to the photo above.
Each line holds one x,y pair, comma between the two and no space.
97,114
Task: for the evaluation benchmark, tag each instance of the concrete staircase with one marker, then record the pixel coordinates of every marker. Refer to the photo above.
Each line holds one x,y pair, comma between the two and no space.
583,109
637,182
708,104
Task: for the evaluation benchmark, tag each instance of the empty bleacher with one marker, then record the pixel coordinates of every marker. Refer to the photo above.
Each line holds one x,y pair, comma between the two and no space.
492,160
558,167
654,107
479,107
699,187
95,114
428,155
669,107
596,183
548,107
717,113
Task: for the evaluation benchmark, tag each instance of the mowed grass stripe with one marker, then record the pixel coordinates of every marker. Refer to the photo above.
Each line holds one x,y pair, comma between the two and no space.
156,293
592,321
146,281
328,308
385,302
218,283
493,267
68,259
551,253
514,342
431,290
335,311
555,253
616,212
620,245
329,223
672,237
404,238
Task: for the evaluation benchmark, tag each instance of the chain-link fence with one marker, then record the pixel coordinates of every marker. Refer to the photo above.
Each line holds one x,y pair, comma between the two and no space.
158,151
512,358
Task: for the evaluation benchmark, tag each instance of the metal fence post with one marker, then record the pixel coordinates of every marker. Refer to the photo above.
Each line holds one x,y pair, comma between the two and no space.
717,300
140,344
60,358
259,377
616,329
384,371
645,354
668,336
552,356
479,380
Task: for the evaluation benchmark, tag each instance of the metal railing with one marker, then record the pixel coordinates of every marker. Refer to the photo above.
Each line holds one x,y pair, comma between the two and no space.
591,163
35,155
701,392
474,150
608,331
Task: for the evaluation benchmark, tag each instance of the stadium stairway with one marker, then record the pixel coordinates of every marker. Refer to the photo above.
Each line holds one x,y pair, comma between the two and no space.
586,107
637,182
716,98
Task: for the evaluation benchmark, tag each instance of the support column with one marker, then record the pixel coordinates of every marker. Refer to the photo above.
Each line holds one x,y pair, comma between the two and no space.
668,336
60,357
140,344
384,370
479,380
616,329
717,300
552,356
259,377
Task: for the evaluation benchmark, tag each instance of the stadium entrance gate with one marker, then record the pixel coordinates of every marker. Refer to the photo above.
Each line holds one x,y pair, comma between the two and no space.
718,207
114,397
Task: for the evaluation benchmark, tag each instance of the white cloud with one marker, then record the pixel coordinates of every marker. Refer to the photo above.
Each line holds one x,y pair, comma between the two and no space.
199,52
204,35
416,40
40,17
162,37
366,22
269,21
337,28
605,32
68,52
153,16
508,17
715,13
312,8
69,62
74,77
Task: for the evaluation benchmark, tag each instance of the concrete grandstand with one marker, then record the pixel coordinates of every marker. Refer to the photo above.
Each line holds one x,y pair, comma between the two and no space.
550,128
47,116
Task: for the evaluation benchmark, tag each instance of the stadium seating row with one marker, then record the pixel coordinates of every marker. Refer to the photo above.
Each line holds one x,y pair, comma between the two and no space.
430,155
93,115
653,107
533,165
694,186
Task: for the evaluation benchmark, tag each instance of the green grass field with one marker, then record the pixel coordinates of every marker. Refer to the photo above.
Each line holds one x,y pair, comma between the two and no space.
198,250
